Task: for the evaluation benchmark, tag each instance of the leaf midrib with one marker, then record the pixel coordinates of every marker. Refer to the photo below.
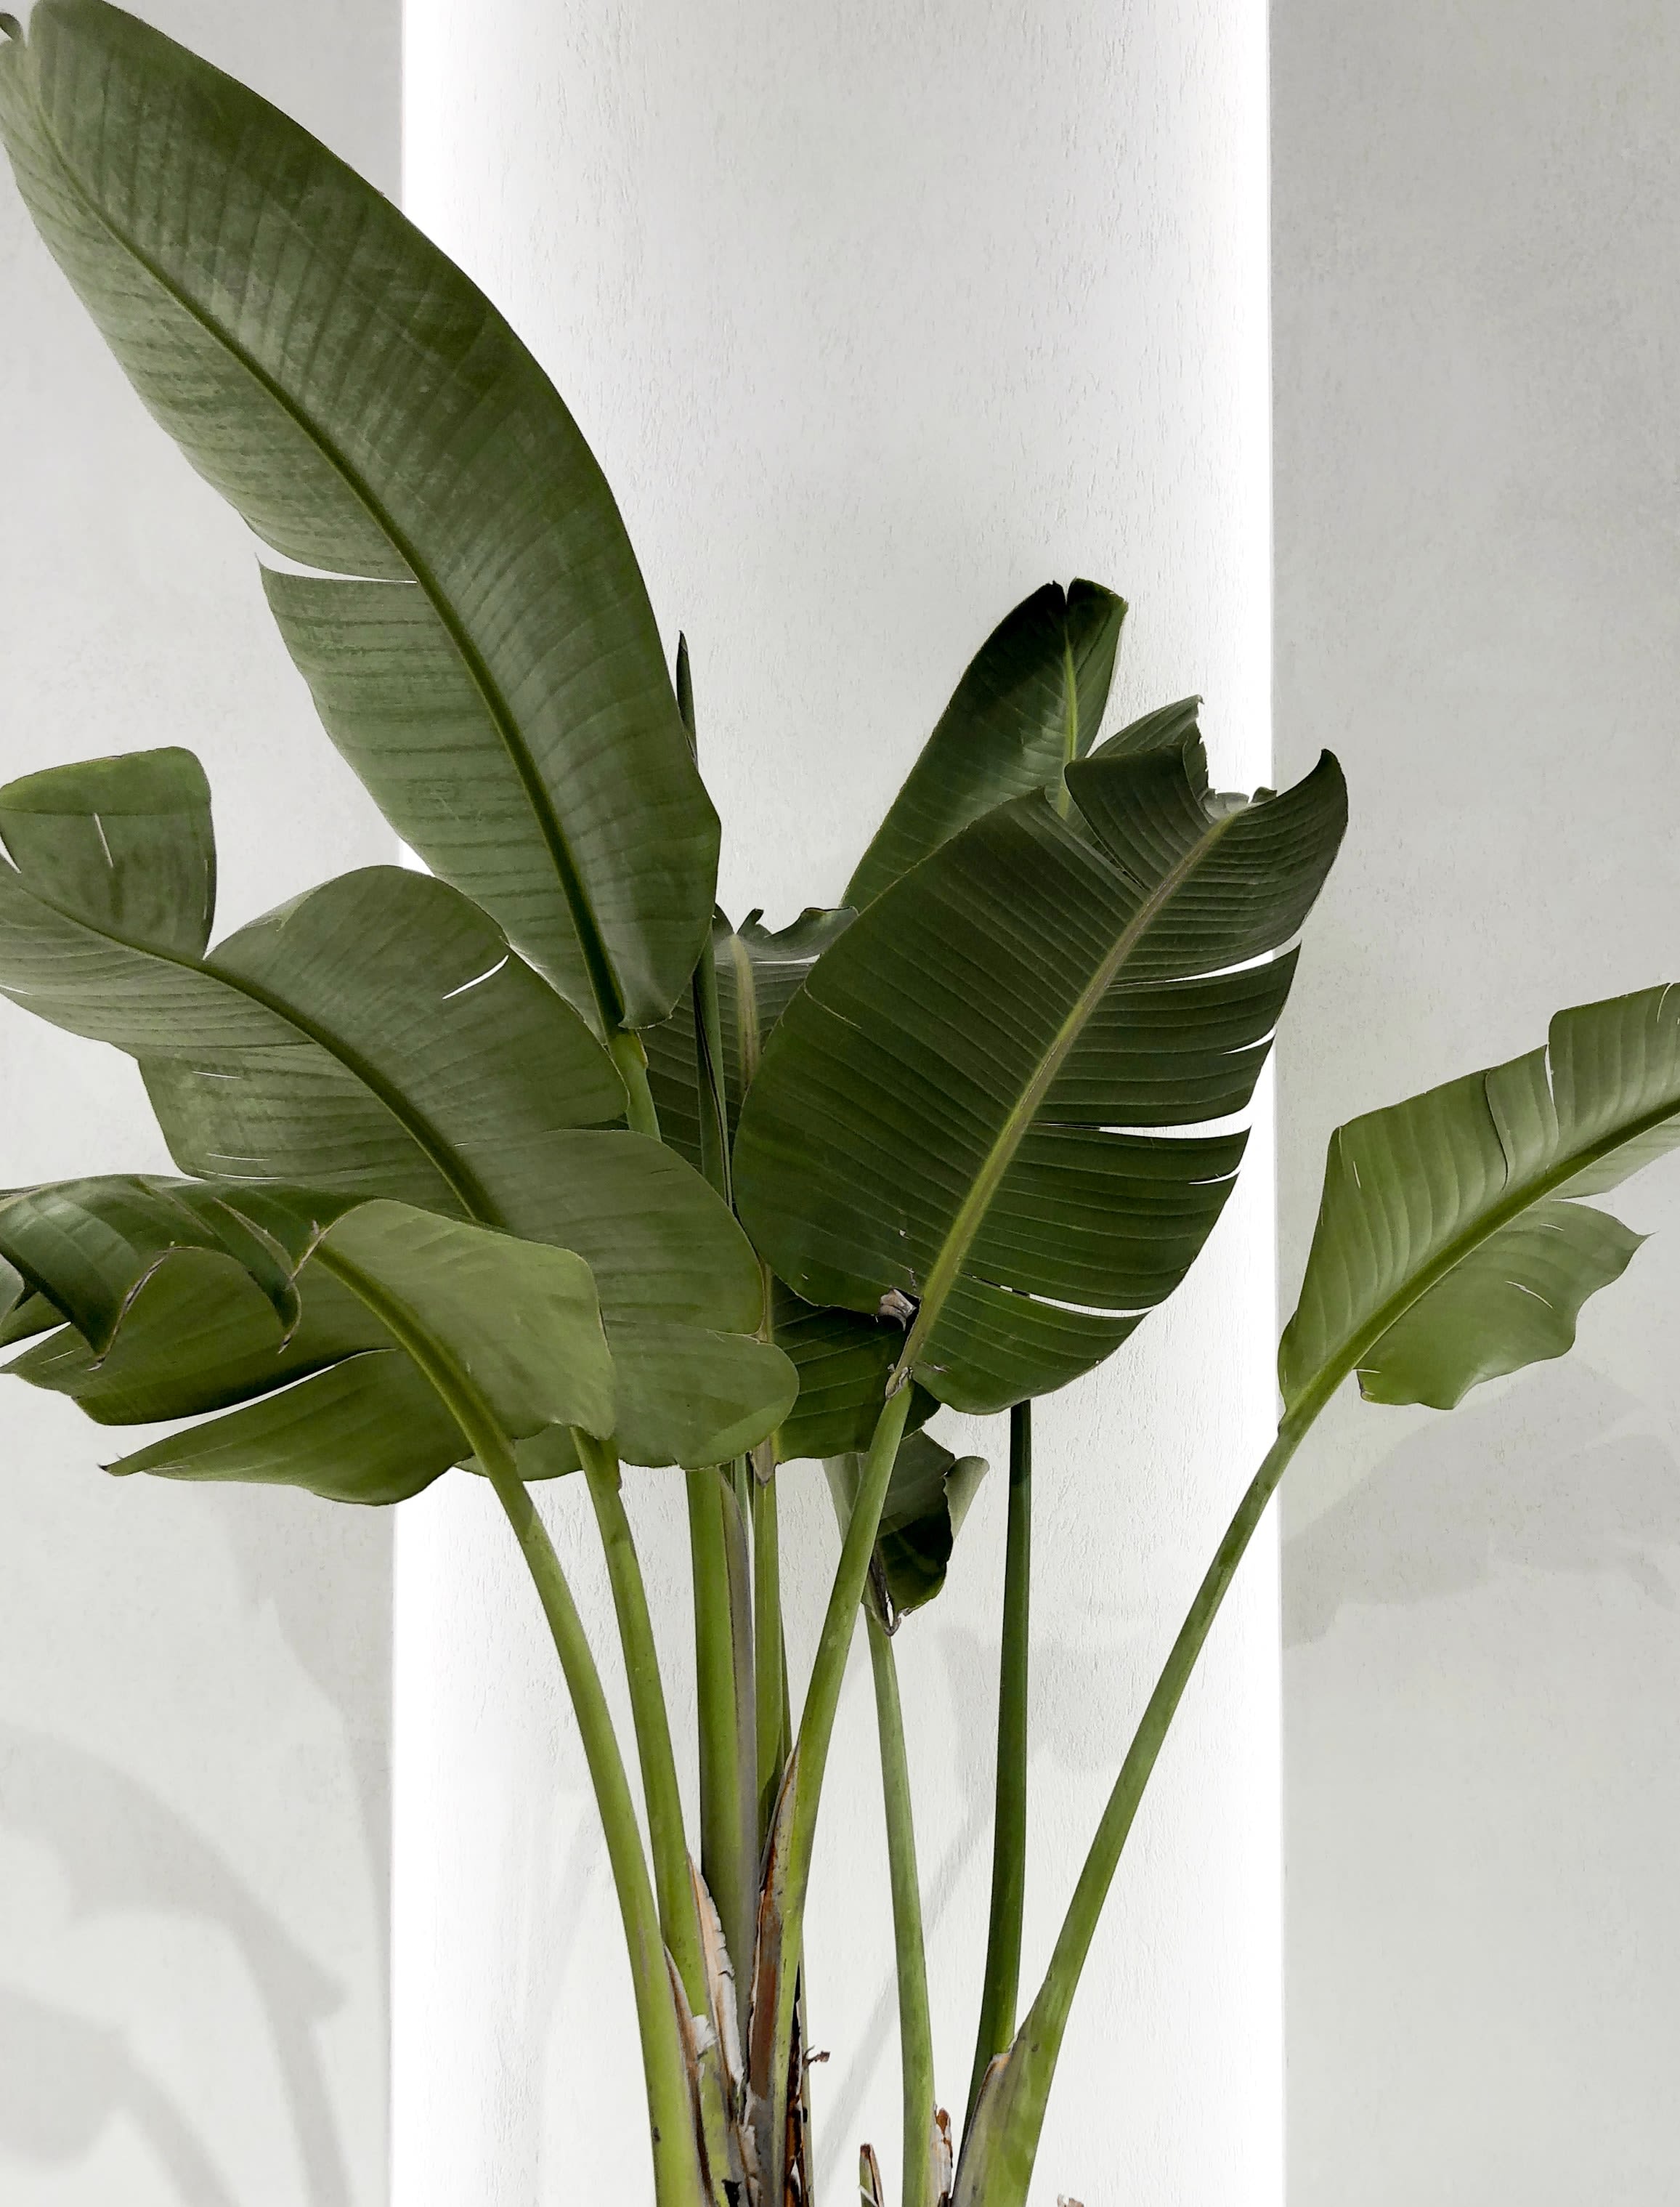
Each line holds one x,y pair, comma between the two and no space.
496,707
971,1212
1356,1346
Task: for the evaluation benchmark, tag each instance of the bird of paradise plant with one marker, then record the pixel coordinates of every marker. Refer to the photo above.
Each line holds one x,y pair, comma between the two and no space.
533,1164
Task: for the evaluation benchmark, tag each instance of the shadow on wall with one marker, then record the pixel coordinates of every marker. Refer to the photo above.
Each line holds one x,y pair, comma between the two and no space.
318,1565
121,1849
63,2080
1560,1472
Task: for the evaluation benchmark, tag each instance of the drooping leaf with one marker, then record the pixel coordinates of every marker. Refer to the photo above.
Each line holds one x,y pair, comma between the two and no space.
496,678
197,1335
369,1430
1030,703
927,1499
31,1315
1451,1245
133,1261
758,971
125,844
956,1107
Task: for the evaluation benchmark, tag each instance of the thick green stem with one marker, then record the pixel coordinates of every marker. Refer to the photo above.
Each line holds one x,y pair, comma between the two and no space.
816,1726
1004,2137
661,1792
1002,1983
677,2177
728,1871
915,2022
678,2180
768,1652
738,1557
632,1060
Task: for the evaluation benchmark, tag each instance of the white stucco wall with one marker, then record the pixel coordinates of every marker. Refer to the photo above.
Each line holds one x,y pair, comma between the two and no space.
1478,320
878,317
193,1681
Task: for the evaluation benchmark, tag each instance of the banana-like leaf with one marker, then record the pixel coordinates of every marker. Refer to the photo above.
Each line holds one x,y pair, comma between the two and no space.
369,1430
13,1291
955,1112
134,1262
376,1035
758,971
1452,1246
417,1016
927,1500
490,664
1030,703
125,844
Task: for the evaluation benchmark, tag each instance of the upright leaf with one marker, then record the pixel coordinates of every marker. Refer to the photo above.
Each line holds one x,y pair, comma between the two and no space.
957,1108
1030,703
1451,1245
488,661
758,971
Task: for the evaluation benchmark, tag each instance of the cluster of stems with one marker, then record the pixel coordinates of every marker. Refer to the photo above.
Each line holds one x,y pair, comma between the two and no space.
747,1739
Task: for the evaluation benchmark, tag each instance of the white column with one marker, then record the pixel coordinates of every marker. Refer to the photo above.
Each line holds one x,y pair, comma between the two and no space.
878,317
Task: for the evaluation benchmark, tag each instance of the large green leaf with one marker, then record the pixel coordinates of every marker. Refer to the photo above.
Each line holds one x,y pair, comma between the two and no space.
1030,703
125,844
135,1263
496,675
376,1035
1450,1245
421,1019
955,1111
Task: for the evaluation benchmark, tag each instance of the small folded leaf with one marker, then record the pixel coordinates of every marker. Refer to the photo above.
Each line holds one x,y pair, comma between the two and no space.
125,844
758,972
1030,703
1450,1245
927,1499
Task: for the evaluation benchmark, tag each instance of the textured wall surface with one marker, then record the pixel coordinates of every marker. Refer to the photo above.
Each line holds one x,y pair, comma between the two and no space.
194,1682
1477,322
878,317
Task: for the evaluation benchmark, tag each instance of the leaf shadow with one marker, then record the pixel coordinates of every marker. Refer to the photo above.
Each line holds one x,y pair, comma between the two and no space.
1561,1472
63,2080
313,1563
123,1850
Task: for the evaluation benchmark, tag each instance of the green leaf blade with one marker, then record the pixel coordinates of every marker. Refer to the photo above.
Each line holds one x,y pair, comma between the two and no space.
979,1054
370,415
1447,1251
1031,701
125,844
